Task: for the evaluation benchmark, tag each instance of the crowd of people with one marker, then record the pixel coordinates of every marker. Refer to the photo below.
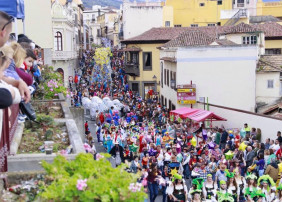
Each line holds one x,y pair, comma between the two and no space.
19,77
208,164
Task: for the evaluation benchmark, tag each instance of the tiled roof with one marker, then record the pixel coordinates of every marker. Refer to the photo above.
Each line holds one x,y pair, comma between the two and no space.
165,34
270,63
240,28
263,18
270,29
190,38
225,42
169,59
159,34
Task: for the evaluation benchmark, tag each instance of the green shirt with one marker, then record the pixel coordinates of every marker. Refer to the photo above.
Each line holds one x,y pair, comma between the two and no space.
217,138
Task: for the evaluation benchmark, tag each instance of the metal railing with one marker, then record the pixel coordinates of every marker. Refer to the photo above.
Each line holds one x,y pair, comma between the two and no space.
236,17
132,69
9,124
64,55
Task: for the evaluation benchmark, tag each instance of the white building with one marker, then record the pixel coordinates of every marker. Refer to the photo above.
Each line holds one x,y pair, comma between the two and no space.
227,71
269,79
223,74
140,17
90,18
66,42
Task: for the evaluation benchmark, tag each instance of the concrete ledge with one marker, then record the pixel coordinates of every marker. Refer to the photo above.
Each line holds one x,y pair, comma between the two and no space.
31,162
16,141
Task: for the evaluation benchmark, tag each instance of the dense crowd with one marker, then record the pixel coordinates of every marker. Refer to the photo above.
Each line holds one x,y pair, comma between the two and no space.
207,164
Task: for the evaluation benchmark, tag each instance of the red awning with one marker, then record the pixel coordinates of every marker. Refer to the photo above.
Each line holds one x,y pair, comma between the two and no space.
184,111
197,115
203,115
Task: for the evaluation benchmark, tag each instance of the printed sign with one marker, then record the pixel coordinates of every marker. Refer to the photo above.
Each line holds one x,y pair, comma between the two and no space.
186,94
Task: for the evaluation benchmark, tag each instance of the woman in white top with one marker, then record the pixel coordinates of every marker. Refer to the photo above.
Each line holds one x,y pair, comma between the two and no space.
209,189
241,183
177,189
268,187
232,186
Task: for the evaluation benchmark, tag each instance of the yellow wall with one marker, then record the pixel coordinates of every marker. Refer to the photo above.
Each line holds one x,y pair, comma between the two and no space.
148,75
273,43
269,8
168,15
187,12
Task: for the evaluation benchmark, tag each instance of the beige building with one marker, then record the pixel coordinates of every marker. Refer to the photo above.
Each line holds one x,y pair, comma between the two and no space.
67,37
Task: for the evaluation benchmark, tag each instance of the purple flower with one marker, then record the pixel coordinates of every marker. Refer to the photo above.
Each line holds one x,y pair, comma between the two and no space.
81,184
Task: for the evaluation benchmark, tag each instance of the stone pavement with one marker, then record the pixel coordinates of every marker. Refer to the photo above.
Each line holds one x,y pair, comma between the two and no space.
101,149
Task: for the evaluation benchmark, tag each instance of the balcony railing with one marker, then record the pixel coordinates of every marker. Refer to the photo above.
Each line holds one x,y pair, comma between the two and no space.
240,5
132,69
64,55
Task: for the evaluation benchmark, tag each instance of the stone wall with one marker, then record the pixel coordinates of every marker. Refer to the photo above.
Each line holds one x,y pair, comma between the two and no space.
78,117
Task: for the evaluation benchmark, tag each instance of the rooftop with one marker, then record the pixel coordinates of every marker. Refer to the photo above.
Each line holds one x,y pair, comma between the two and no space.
190,38
263,18
270,63
165,34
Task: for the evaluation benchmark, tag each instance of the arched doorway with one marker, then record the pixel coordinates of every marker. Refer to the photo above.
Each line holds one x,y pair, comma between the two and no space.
61,71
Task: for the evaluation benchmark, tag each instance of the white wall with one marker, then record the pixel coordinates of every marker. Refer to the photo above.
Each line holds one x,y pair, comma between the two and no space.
264,94
166,90
226,75
138,19
38,22
235,119
238,39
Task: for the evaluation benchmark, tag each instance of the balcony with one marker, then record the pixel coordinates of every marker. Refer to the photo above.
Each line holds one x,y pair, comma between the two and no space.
240,5
132,69
64,55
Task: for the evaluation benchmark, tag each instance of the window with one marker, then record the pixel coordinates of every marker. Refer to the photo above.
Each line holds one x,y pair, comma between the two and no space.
169,105
173,80
194,25
202,4
147,61
273,51
165,102
167,77
162,100
240,3
58,41
162,74
249,39
270,83
167,23
219,2
177,25
135,87
211,25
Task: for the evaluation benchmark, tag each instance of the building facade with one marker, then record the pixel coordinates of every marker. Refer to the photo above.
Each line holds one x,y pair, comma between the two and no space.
140,17
67,38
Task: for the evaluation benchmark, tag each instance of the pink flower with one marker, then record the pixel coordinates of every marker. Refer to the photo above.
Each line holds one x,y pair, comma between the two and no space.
81,184
56,94
63,152
51,89
99,156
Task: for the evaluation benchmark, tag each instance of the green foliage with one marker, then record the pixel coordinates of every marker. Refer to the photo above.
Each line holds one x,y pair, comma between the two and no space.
52,84
104,183
48,134
45,120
